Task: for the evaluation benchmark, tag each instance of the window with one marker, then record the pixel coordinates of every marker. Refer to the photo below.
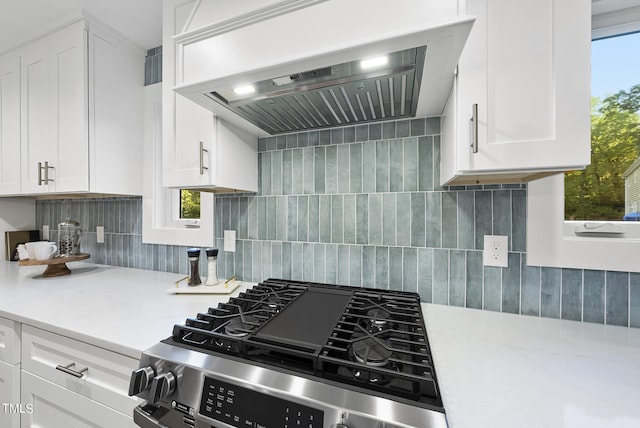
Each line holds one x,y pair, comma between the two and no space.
552,241
598,191
189,204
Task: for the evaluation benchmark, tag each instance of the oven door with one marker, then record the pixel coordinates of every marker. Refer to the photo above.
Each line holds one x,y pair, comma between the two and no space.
148,416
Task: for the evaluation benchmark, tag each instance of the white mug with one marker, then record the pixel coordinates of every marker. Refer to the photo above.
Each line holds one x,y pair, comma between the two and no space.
41,250
22,252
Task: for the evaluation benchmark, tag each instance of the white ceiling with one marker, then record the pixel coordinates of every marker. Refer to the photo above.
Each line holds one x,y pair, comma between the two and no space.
21,20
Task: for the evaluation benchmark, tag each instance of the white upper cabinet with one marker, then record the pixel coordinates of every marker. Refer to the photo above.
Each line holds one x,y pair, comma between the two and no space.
520,106
9,124
54,112
199,150
81,113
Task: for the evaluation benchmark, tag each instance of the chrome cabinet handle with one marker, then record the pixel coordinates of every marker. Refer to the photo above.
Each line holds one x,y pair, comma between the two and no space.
474,128
202,152
46,169
67,369
46,172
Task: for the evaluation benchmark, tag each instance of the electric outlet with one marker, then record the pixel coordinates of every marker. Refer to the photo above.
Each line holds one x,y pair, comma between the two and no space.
100,234
230,241
495,250
45,232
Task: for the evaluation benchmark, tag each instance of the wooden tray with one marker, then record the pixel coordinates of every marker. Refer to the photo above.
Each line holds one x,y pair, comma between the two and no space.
56,266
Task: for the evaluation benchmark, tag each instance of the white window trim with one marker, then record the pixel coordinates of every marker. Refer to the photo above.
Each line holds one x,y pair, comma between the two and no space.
551,241
158,222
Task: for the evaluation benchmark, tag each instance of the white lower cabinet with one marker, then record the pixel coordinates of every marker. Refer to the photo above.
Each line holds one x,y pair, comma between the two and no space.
70,383
52,406
10,405
9,373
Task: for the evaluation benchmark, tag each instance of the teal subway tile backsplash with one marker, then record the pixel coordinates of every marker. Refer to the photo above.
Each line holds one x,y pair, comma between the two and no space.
617,301
363,206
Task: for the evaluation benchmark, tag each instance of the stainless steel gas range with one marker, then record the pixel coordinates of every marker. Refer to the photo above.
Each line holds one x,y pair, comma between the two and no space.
287,354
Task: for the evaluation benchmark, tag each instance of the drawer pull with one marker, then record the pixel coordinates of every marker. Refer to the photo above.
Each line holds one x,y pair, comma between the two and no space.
67,369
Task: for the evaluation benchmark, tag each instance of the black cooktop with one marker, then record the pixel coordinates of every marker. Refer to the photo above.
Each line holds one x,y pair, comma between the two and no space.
366,338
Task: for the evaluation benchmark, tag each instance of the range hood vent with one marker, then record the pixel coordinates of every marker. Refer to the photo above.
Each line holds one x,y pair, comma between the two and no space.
339,95
278,66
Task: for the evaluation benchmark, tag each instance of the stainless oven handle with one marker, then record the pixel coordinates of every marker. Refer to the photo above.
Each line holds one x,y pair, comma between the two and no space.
145,420
193,342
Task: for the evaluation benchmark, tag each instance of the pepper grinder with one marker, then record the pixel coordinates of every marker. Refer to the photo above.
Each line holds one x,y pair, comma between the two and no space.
212,266
193,255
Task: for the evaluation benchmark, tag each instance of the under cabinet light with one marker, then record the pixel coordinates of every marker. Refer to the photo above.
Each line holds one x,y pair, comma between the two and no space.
370,63
244,90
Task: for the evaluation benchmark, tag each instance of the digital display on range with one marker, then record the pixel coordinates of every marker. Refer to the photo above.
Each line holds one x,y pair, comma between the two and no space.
244,408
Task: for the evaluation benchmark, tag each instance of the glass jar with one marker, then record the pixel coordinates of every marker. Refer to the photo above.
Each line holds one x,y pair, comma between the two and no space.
69,238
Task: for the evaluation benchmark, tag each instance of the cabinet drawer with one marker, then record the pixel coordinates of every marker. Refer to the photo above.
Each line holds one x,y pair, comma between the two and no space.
50,406
9,341
105,380
10,405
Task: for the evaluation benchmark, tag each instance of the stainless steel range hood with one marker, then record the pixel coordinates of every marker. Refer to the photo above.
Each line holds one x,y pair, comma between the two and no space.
312,74
332,96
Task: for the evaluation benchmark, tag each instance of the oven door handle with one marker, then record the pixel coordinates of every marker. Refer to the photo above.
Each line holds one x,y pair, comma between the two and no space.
146,420
193,342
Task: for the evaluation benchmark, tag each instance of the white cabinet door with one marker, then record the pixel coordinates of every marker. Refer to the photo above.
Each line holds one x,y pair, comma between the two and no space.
36,147
526,67
10,341
187,143
198,149
187,128
9,125
68,51
10,405
54,112
54,407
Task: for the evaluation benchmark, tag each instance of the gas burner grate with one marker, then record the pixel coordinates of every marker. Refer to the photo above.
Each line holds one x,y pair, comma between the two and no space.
361,338
380,343
222,327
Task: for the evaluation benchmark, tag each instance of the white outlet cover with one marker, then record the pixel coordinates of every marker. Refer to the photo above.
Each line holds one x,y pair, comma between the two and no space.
99,234
45,232
495,253
230,241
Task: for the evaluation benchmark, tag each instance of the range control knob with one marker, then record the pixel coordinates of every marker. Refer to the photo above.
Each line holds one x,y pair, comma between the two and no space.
162,386
141,380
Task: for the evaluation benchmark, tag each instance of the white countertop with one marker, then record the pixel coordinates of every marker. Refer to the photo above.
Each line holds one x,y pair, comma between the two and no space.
494,370
504,371
124,310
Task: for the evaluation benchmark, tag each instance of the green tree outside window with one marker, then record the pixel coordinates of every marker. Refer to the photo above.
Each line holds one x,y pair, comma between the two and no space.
189,204
598,191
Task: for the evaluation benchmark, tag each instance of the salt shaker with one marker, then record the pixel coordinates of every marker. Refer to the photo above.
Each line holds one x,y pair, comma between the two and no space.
194,263
212,266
